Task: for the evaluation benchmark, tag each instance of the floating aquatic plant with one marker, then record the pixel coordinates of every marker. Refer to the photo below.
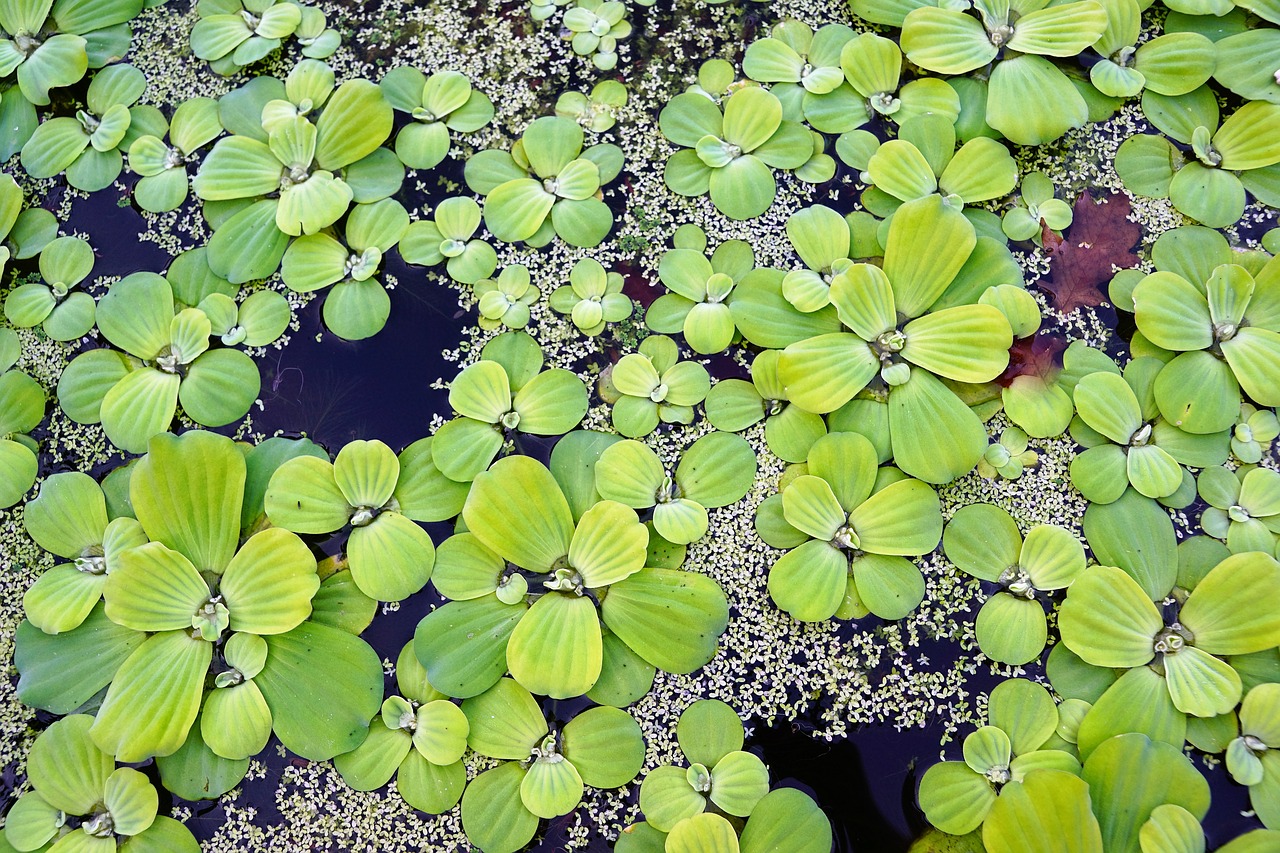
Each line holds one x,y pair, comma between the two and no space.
958,796
50,303
700,288
1029,100
1253,434
505,301
1007,457
1228,158
1169,64
1128,442
595,28
544,771
542,618
1251,757
419,737
358,305
804,67
162,185
961,342
164,358
873,67
505,393
22,403
593,298
23,232
72,778
984,541
734,404
653,385
849,526
449,236
597,111
1036,209
437,104
729,151
390,556
716,470
548,185
1244,507
232,34
88,147
281,172
50,45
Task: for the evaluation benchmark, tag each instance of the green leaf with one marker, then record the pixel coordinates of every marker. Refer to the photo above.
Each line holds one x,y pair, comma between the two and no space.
945,41
808,582
555,650
1011,630
1232,610
517,509
936,437
605,745
1051,806
505,721
920,230
304,497
69,770
269,584
61,672
372,764
1108,620
1134,534
356,120
1031,102
1129,776
789,819
463,645
1137,702
493,815
954,798
323,686
667,799
154,697
672,619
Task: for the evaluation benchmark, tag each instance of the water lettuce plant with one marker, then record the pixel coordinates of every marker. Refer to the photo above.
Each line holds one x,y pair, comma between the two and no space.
596,111
63,315
1035,209
72,778
1109,620
699,289
390,556
232,34
849,527
22,402
437,104
543,771
1008,456
23,232
543,620
278,175
1244,507
720,775
593,298
729,150
958,796
358,305
418,737
1251,757
653,385
1228,158
505,393
891,331
873,67
163,181
164,358
715,471
984,541
50,45
735,404
1253,434
449,236
1225,332
70,519
89,146
1029,100
195,602
981,169
1169,64
1128,442
806,73
548,186
595,28
505,301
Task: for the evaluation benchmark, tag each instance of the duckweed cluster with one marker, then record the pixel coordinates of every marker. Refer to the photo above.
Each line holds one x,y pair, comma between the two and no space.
767,408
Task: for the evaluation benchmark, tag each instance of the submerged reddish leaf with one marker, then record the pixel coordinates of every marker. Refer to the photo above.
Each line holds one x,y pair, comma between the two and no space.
1035,355
1099,241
